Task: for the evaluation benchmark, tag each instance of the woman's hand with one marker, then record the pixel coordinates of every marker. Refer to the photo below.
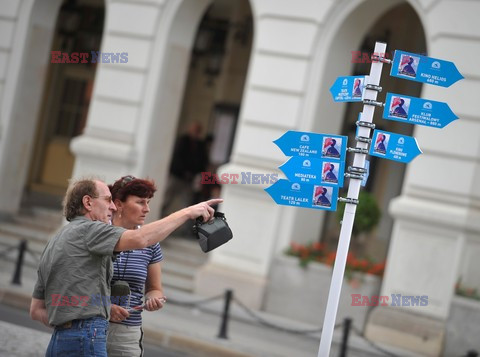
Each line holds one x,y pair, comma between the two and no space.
155,303
118,313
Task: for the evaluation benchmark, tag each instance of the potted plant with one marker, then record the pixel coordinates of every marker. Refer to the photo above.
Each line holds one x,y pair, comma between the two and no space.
316,252
304,274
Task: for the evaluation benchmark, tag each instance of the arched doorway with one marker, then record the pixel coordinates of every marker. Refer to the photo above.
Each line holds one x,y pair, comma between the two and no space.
212,97
65,99
201,66
351,27
345,31
401,28
386,177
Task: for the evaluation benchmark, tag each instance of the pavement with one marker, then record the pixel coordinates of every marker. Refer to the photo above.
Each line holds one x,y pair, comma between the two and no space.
191,324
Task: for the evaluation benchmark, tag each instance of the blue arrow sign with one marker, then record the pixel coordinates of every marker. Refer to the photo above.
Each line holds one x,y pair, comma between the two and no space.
296,194
314,171
394,147
348,89
305,144
424,69
420,111
366,174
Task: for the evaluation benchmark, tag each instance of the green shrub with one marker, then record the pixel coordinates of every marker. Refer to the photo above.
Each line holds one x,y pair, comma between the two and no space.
367,215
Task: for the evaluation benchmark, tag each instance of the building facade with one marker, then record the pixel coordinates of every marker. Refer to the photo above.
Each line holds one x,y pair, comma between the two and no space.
281,77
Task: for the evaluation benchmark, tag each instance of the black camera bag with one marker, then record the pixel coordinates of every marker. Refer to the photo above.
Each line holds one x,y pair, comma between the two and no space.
213,233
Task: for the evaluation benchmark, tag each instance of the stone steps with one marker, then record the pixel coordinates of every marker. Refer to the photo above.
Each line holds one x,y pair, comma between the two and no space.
18,231
182,259
35,226
46,223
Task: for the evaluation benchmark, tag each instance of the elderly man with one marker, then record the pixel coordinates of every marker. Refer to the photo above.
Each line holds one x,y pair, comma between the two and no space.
72,293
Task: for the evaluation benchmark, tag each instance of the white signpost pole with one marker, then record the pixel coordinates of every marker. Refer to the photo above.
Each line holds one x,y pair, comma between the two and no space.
350,208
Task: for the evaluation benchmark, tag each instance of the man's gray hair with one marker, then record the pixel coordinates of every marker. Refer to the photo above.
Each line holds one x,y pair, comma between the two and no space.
73,201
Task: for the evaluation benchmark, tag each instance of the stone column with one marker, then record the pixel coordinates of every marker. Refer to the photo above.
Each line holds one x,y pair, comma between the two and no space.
26,32
109,145
134,112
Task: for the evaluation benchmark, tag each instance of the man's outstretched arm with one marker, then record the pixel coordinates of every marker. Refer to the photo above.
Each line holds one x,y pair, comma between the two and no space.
157,231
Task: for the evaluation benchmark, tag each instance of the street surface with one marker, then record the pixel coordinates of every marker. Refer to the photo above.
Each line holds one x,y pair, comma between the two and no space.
22,318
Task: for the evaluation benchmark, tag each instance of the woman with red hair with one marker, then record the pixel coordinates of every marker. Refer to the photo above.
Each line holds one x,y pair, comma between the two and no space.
136,273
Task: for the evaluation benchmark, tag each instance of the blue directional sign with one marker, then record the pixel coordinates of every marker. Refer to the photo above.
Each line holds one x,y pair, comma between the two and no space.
420,111
424,69
306,144
297,194
314,171
348,89
394,147
366,174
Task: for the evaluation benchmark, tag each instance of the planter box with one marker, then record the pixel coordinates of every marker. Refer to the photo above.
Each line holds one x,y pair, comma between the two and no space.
301,293
463,328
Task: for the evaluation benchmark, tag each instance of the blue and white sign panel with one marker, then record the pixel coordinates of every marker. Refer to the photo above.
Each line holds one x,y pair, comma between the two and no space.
314,171
366,174
348,89
297,194
424,69
420,111
394,147
306,144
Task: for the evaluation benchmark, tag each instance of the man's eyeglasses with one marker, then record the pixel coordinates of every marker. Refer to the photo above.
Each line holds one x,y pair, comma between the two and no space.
126,180
107,198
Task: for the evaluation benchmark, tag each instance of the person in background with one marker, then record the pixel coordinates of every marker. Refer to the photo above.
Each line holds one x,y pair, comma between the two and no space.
72,292
140,268
189,158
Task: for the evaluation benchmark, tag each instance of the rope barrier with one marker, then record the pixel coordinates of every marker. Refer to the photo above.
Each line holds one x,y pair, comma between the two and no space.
6,251
249,312
262,321
371,343
16,280
194,303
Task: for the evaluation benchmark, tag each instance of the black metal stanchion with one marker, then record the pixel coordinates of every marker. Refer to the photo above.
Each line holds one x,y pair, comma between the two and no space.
18,267
472,353
347,322
225,316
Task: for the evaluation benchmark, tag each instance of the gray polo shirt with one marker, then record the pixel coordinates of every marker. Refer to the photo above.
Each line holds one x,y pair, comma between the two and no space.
75,271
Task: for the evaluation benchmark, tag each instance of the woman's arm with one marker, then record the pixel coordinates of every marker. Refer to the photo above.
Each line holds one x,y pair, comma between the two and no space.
154,298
